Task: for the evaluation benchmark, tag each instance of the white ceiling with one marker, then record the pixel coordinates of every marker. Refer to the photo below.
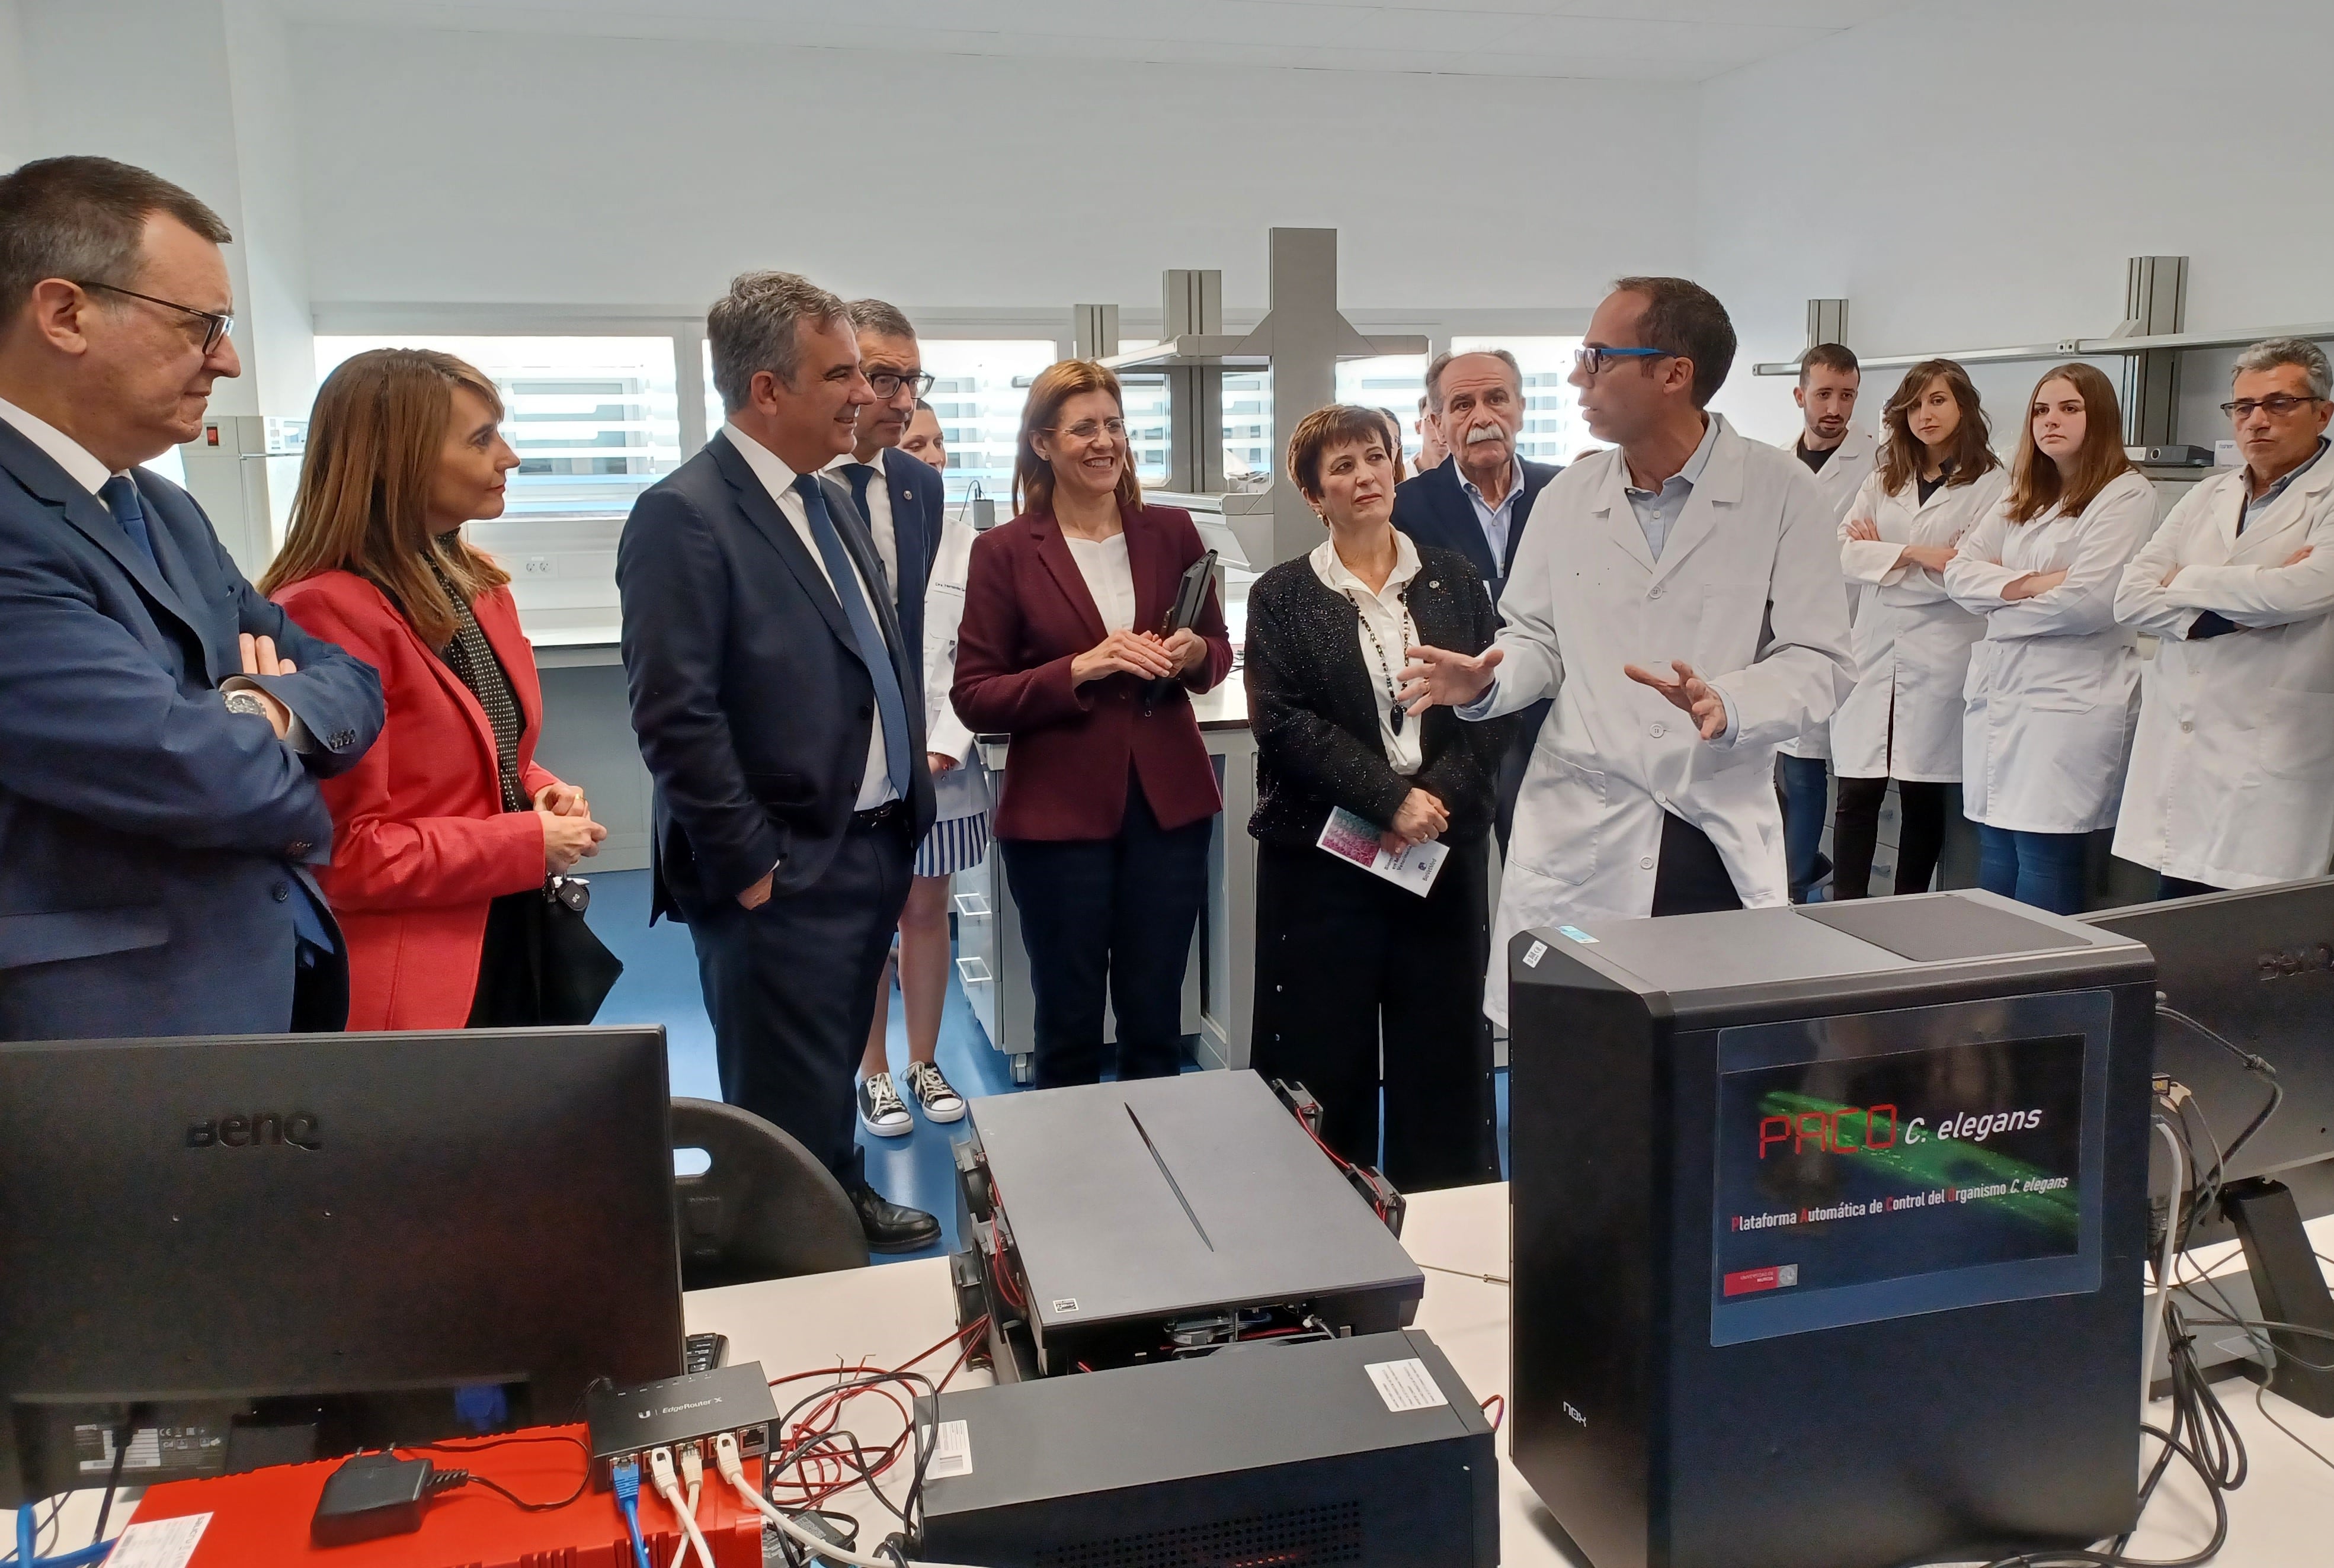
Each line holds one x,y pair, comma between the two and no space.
1611,40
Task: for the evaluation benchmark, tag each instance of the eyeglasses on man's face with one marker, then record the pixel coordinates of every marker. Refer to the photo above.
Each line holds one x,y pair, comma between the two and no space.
2278,405
887,383
1589,361
216,325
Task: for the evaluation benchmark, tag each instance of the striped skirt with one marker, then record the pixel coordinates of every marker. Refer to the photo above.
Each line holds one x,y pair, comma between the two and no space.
953,844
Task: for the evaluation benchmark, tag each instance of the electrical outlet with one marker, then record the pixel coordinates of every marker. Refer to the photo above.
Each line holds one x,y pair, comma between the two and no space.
537,566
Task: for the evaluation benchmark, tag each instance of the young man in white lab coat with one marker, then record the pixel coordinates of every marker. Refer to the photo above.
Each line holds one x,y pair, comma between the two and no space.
2232,780
1688,549
1839,453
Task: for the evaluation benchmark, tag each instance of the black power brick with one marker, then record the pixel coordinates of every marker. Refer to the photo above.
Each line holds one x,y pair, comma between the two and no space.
371,1496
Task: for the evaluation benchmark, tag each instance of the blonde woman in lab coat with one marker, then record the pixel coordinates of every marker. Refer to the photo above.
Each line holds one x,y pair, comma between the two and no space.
1938,479
2054,684
2232,774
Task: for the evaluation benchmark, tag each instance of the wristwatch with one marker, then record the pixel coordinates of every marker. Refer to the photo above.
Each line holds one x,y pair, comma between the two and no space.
245,702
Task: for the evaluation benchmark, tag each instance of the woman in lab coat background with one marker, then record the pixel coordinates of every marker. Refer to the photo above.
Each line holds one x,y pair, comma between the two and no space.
1938,477
2054,686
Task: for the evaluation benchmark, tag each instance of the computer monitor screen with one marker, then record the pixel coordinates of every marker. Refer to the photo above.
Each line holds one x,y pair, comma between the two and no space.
1871,1166
2257,967
252,1249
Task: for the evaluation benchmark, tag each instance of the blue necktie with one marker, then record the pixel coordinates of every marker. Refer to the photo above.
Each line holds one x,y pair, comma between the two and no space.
121,494
889,704
861,476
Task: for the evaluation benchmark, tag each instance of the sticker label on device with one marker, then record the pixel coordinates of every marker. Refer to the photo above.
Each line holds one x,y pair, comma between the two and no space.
1406,1385
951,1452
160,1543
1742,1281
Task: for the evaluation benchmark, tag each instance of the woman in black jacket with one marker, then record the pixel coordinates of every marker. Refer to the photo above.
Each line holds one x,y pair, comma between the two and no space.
1352,969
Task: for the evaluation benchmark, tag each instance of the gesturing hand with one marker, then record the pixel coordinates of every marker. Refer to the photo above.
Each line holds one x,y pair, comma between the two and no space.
259,658
1437,677
1862,528
1122,653
1688,691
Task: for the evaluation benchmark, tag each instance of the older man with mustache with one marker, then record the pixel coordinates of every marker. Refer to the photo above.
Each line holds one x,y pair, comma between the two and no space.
1477,500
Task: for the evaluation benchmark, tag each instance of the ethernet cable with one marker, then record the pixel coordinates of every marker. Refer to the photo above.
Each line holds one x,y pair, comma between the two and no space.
732,1466
668,1486
692,1479
626,1474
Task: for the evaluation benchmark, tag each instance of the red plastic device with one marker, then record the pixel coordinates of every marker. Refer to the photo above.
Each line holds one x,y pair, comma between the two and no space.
261,1517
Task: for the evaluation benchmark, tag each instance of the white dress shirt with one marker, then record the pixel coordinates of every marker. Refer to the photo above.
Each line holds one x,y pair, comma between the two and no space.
1109,577
875,782
1496,521
1385,631
83,468
879,513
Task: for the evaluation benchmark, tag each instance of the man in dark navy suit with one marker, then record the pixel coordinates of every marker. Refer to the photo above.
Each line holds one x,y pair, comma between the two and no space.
778,708
1478,500
162,727
901,497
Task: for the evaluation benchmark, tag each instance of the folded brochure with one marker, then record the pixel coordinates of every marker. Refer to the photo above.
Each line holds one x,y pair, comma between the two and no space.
1355,841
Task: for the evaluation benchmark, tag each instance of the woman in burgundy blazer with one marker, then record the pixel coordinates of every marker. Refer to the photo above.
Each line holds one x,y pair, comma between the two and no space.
1109,798
447,827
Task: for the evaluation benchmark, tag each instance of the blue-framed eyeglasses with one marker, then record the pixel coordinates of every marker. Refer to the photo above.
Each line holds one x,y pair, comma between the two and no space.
1590,361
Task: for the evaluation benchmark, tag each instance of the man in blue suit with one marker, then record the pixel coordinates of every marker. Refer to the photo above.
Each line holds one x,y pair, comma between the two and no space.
1477,501
778,708
162,727
902,496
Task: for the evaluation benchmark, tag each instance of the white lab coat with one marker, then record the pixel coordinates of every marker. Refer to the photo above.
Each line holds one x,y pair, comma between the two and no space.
1903,718
2053,685
962,790
2232,769
1838,482
1747,591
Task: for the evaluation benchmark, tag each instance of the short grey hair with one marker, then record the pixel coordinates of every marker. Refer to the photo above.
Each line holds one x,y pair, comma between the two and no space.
883,320
83,220
1443,362
2271,352
752,328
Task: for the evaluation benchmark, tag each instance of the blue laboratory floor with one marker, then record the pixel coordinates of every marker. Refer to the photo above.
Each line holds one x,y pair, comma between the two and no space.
659,986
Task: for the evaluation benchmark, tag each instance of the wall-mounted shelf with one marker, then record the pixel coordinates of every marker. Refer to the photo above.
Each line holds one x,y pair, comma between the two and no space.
2076,348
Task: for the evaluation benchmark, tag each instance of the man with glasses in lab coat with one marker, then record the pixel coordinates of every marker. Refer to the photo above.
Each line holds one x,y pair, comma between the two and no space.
2231,777
1679,598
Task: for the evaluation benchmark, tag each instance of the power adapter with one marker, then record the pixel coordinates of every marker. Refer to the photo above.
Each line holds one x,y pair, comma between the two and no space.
371,1496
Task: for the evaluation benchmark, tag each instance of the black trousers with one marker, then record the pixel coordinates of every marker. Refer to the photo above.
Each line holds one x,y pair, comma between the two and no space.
1115,917
791,989
2182,887
1855,829
1362,986
1689,878
1513,764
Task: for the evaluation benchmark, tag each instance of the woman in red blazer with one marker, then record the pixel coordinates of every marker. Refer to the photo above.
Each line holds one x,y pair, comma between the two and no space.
447,829
1109,798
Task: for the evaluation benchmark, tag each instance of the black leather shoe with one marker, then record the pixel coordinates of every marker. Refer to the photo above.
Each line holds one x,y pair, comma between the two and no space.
892,1226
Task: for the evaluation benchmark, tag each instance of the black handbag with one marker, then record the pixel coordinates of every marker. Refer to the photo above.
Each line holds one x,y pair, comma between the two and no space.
574,970
542,964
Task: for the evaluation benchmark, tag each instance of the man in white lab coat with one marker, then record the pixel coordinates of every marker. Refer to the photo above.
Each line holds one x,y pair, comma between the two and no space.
1839,453
1688,549
2232,780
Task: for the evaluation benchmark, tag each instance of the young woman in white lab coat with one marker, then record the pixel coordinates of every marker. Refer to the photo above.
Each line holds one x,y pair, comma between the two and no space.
1938,477
2054,686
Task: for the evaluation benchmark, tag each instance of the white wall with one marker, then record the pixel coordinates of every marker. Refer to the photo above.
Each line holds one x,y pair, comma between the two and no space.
15,117
451,167
1976,174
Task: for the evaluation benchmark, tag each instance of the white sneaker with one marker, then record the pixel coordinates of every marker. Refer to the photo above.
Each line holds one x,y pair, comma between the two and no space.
940,1102
882,1111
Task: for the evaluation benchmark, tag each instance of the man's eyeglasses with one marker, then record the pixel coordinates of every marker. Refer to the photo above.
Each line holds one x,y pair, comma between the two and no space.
1087,429
216,325
1591,360
2279,406
887,383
